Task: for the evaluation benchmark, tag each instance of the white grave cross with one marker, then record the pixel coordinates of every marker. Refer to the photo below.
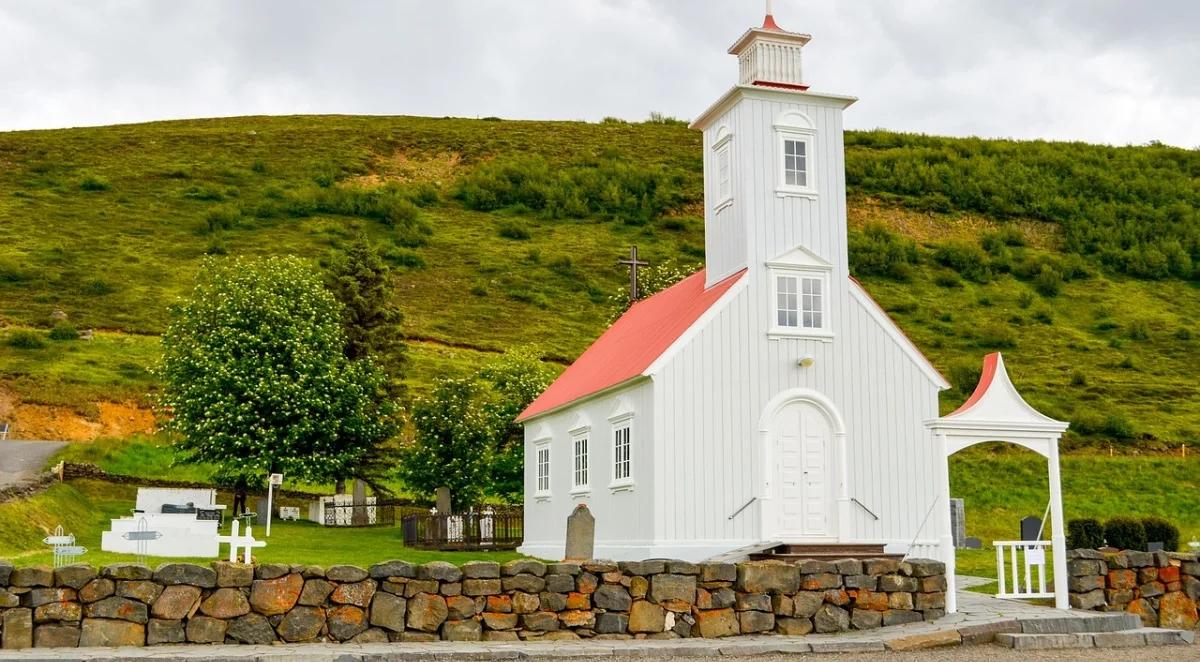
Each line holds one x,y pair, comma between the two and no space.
235,541
65,549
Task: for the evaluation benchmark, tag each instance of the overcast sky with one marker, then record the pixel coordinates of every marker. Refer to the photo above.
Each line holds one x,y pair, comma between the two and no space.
1115,71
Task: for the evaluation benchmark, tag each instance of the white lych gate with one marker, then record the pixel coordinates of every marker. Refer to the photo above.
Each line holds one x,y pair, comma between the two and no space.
996,412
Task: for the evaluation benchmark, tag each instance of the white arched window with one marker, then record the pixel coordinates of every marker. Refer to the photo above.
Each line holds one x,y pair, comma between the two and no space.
796,145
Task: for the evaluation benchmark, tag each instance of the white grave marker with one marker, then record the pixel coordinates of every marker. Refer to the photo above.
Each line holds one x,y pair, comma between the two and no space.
235,541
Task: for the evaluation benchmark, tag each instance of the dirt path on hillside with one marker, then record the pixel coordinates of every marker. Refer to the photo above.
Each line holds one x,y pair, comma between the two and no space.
56,423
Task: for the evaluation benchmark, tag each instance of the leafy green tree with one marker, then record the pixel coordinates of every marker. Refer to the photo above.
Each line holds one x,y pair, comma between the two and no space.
362,282
255,377
513,380
453,445
651,280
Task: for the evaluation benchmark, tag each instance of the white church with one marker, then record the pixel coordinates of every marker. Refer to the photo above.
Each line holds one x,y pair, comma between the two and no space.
766,398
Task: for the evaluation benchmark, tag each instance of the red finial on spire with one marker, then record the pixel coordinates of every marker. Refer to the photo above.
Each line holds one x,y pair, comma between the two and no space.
769,22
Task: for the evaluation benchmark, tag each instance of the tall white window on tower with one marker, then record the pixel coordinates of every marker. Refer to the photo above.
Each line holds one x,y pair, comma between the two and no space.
724,176
580,443
795,162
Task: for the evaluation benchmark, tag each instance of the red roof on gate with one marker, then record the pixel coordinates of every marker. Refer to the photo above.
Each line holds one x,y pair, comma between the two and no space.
633,342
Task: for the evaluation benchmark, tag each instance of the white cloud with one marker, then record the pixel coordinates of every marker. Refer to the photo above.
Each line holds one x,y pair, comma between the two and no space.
1096,70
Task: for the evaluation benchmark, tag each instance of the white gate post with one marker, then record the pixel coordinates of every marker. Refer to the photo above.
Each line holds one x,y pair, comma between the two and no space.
946,539
1058,538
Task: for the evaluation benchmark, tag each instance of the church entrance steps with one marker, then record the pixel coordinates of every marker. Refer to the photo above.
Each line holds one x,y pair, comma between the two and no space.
822,552
1137,638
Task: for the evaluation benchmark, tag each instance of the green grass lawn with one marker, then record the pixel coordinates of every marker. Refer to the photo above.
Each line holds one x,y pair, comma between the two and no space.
85,508
999,484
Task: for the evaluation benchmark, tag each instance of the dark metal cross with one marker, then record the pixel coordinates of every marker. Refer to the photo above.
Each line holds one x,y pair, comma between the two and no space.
634,263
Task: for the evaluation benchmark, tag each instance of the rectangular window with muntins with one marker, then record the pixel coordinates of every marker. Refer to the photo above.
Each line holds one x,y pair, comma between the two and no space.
795,162
581,461
811,303
621,447
543,469
787,307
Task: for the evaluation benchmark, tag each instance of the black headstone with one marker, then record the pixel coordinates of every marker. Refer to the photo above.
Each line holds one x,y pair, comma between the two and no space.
1155,546
973,543
1030,527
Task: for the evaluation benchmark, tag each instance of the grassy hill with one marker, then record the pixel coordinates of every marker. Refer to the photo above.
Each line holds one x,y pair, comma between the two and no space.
1077,261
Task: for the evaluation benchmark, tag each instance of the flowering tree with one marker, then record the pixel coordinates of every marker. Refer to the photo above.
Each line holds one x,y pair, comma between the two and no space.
651,280
256,380
467,437
453,446
513,380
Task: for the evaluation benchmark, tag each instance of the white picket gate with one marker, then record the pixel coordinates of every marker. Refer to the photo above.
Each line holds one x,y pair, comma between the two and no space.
1025,559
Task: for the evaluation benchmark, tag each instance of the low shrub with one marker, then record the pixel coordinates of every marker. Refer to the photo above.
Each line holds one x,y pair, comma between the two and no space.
606,186
64,332
92,182
1078,378
965,376
1125,533
877,251
513,230
25,339
996,336
1085,533
947,279
1160,530
1048,281
222,217
12,272
967,259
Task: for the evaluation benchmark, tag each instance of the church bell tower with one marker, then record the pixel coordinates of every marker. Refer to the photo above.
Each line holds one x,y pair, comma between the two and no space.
774,168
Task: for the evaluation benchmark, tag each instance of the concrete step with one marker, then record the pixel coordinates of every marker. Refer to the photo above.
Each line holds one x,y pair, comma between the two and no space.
1111,622
1134,638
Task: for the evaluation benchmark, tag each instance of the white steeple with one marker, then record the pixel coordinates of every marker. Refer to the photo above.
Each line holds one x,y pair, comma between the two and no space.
770,56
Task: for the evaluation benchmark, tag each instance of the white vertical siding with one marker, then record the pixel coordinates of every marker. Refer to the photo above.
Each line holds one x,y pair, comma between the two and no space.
624,518
713,392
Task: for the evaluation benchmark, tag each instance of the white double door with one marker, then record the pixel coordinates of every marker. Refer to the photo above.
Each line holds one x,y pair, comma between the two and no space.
803,472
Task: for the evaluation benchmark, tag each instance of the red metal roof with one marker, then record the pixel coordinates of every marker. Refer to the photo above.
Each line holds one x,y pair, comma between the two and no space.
633,342
985,382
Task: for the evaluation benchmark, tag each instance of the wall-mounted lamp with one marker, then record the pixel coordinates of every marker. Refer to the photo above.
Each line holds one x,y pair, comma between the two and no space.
806,361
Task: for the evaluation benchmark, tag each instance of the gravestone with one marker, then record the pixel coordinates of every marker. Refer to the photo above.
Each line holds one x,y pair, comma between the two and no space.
359,510
958,523
581,534
1155,546
443,500
1031,528
973,543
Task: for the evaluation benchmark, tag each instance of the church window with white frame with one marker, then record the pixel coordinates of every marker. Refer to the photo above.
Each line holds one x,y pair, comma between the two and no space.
796,146
580,475
724,159
795,162
542,468
622,447
800,301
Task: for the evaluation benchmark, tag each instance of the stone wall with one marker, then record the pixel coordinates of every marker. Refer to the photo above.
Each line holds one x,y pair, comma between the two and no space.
1160,587
128,604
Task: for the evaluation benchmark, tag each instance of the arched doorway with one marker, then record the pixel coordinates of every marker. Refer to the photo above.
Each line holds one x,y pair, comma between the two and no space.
802,446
